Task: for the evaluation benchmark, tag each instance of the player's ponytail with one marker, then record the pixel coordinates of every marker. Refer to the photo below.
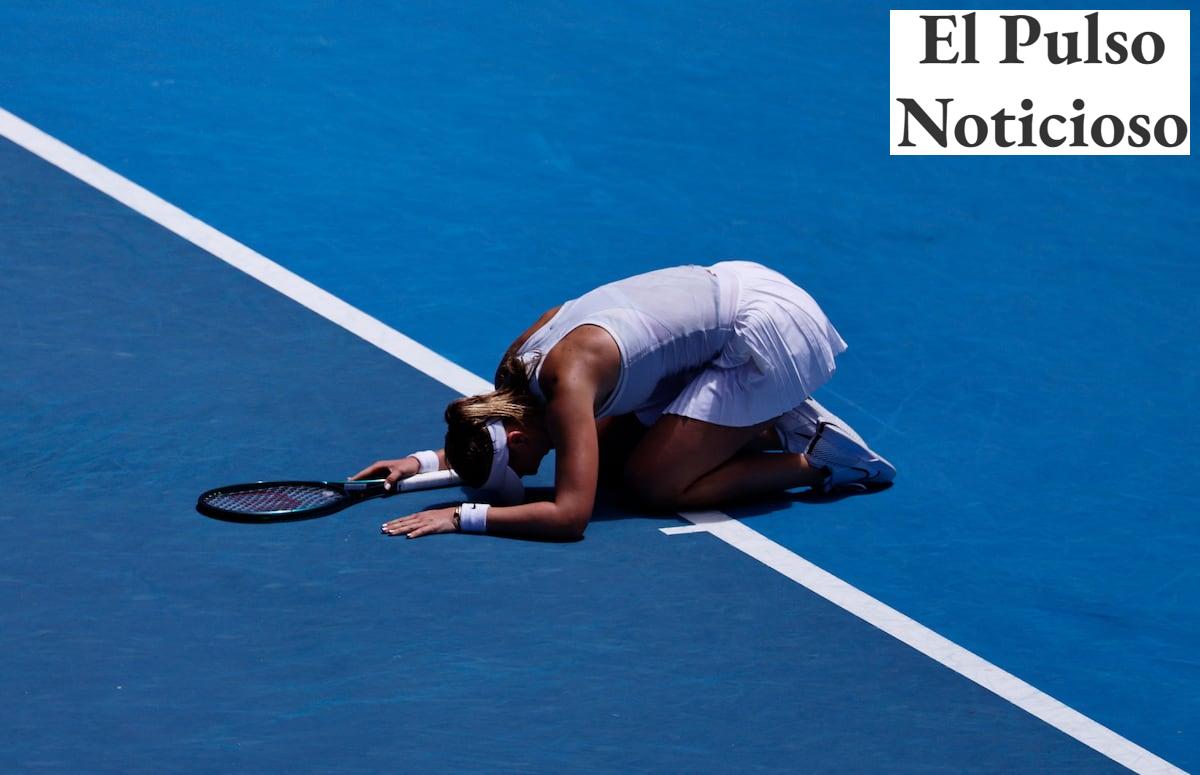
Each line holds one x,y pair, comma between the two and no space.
468,445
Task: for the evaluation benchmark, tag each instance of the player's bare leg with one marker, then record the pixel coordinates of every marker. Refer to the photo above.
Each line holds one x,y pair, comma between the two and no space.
686,463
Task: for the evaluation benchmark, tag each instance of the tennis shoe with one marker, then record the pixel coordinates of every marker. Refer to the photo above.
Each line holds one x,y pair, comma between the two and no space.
852,465
797,427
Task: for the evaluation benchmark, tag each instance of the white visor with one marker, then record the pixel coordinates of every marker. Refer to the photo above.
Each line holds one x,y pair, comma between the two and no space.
503,486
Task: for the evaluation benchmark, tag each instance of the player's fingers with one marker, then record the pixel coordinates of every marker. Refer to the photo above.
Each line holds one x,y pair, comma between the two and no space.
402,524
367,472
427,527
393,476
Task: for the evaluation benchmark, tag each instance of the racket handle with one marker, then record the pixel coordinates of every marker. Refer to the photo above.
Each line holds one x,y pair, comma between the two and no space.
431,481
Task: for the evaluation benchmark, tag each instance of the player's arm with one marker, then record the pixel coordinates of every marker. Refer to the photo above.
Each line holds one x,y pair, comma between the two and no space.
571,377
573,427
402,468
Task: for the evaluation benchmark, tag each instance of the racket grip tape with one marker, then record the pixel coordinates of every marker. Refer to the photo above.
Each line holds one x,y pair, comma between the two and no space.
431,481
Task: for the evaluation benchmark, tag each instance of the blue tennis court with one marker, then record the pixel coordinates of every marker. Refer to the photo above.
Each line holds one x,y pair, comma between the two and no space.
1022,346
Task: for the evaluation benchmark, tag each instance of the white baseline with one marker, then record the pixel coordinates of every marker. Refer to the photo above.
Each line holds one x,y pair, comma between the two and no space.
731,531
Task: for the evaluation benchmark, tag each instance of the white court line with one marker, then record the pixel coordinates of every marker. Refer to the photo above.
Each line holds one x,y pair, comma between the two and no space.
681,529
729,530
918,636
238,255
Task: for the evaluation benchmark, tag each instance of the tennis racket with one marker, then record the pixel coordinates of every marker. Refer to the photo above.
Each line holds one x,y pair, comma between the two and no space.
291,501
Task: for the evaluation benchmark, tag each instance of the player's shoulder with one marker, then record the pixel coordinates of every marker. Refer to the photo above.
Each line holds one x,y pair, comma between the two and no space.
584,361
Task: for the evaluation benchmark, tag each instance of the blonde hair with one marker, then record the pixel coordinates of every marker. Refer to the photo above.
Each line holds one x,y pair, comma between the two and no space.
468,445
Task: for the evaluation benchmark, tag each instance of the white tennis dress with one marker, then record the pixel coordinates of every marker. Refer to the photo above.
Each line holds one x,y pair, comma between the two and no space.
733,344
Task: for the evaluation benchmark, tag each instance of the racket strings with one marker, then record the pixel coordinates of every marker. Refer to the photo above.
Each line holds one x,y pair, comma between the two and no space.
268,499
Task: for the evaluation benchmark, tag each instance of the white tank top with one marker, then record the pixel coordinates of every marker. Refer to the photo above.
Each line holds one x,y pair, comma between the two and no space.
667,324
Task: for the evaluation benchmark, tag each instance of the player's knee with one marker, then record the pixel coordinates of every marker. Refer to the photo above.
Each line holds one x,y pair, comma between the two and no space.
650,489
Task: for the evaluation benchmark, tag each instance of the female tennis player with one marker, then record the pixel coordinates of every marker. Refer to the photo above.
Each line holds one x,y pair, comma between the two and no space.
690,386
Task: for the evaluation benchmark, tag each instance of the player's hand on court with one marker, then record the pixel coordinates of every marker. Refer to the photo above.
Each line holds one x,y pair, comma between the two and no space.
423,523
391,470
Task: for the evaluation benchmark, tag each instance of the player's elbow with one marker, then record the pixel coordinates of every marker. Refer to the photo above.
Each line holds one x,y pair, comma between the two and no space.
571,524
574,530
572,533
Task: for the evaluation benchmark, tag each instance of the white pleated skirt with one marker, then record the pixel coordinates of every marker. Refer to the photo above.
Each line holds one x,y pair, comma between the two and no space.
781,350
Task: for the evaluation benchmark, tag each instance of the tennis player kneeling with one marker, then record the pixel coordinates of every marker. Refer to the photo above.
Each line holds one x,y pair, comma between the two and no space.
687,387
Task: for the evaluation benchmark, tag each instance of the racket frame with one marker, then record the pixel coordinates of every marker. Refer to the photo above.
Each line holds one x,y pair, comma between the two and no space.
353,492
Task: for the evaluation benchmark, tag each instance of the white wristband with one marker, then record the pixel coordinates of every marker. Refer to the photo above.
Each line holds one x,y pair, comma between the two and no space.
472,517
427,459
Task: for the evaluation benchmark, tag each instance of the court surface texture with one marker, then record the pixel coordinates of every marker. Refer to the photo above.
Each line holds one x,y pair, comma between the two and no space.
259,241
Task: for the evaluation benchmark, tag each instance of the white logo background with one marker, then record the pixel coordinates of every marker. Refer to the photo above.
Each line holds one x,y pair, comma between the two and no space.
982,89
